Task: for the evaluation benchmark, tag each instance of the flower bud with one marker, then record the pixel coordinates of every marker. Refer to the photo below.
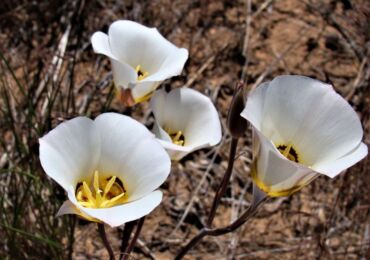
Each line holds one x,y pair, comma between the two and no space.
236,124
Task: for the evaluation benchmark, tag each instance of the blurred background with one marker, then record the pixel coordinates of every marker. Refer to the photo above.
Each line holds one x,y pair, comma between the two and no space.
49,73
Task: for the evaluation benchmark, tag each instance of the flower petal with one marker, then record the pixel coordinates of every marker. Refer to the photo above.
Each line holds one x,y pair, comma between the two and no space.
158,106
123,74
172,65
141,46
177,152
100,44
141,91
119,215
275,174
70,152
333,168
132,153
68,208
254,107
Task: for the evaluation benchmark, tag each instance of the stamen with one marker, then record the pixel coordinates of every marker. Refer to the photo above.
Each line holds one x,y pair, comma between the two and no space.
109,185
287,150
112,202
107,192
87,192
177,137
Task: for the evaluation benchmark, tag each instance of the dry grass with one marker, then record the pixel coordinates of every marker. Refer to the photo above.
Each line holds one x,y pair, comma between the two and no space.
49,74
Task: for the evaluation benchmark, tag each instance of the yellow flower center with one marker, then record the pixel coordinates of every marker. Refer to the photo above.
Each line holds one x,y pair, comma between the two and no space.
289,152
140,73
105,192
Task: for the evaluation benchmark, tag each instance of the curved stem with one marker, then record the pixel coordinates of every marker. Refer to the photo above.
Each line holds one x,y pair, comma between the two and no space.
103,235
258,198
225,181
131,246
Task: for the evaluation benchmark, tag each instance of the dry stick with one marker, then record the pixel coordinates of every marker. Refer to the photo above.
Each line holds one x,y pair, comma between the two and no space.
140,224
146,250
225,181
126,234
356,82
103,235
258,198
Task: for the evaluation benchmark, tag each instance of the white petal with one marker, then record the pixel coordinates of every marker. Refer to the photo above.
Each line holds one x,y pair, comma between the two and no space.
68,208
123,74
119,215
70,152
177,152
172,65
161,134
333,168
275,174
131,152
254,107
100,44
141,90
136,44
158,106
288,101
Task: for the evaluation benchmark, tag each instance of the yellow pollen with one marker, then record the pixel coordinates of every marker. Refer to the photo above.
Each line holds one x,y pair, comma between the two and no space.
105,192
140,73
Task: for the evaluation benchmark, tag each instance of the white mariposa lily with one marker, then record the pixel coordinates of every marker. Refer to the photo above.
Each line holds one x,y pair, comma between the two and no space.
110,167
141,58
185,121
302,128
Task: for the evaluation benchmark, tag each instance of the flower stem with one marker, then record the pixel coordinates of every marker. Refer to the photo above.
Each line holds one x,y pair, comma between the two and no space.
258,198
103,235
225,181
129,227
131,246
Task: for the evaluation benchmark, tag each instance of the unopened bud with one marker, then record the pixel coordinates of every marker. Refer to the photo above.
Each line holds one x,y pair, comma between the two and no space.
236,124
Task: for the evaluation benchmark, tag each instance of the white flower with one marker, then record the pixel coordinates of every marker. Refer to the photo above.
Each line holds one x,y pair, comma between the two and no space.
109,167
302,128
185,121
141,58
